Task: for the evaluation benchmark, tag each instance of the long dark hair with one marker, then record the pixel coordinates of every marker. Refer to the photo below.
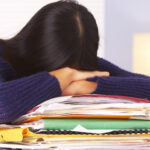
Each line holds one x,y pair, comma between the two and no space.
60,34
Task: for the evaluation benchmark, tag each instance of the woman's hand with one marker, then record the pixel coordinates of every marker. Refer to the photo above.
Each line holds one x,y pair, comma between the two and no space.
67,75
80,87
64,76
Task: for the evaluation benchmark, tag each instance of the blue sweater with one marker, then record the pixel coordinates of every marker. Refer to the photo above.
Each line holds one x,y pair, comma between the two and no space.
18,96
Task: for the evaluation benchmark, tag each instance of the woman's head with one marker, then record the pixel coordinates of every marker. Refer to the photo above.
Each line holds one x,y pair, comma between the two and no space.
60,34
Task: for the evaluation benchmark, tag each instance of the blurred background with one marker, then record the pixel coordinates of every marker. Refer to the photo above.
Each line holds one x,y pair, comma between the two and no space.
124,28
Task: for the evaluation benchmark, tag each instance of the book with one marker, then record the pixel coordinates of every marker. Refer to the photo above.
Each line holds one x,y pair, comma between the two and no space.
90,106
78,122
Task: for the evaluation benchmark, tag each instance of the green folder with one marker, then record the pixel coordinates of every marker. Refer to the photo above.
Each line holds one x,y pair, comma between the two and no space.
69,124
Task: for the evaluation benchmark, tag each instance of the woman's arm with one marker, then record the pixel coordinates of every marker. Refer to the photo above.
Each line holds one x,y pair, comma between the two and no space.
18,96
126,86
120,82
114,70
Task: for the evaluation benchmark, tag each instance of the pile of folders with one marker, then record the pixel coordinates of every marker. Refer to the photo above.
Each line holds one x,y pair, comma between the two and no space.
84,121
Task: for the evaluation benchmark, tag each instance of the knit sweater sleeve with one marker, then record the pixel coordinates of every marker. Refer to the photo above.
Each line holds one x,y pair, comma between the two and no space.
18,96
114,70
121,82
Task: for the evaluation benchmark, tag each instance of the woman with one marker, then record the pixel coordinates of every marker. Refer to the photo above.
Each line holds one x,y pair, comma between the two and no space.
56,54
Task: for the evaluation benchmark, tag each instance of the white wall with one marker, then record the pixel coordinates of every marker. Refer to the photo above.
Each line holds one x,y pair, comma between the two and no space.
123,19
14,14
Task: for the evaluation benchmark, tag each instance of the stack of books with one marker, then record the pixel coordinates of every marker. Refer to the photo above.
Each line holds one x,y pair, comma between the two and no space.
84,121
